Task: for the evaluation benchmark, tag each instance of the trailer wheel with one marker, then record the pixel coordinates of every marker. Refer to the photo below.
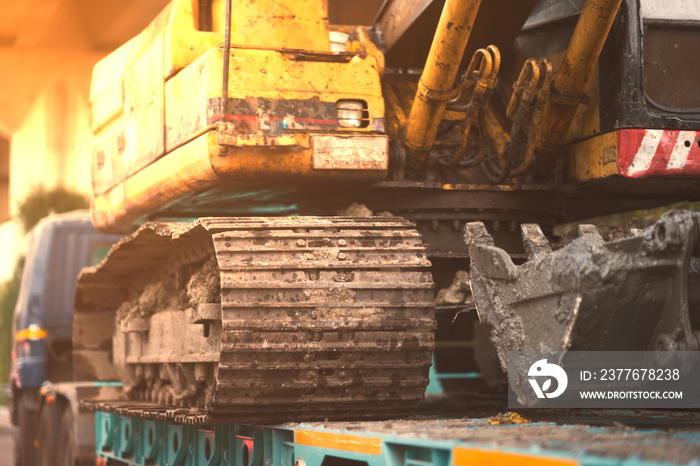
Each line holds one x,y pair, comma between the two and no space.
66,439
48,435
25,448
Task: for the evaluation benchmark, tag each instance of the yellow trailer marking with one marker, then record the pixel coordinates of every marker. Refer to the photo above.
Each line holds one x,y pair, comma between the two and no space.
346,442
462,456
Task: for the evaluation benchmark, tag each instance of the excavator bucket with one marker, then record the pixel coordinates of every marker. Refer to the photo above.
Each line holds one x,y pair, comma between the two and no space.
633,294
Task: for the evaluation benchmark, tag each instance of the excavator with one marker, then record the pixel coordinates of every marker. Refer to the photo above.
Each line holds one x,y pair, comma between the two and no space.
230,138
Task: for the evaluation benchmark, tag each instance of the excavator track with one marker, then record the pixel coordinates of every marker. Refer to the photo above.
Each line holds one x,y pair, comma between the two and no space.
320,318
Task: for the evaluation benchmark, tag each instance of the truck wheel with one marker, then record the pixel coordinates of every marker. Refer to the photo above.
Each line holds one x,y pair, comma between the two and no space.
48,435
66,439
13,407
25,448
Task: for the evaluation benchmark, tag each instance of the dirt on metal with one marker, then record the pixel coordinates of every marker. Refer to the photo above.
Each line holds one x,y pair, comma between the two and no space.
631,294
155,296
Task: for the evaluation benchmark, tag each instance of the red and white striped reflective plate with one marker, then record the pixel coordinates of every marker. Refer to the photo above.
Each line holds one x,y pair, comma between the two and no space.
643,153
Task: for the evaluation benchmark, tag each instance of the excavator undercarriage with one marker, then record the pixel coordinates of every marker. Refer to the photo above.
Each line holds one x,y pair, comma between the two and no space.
315,317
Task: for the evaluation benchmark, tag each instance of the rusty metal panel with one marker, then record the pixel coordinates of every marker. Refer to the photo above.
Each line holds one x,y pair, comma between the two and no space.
350,153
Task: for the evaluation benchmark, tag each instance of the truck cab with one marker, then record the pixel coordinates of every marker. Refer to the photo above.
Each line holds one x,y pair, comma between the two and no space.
59,247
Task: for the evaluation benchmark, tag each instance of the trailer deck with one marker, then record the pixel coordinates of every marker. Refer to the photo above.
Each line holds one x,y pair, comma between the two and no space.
447,431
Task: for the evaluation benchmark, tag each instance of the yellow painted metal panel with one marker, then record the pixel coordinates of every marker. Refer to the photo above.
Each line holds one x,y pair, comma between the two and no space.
268,74
593,158
199,166
586,120
157,146
186,96
250,162
184,172
298,24
144,100
276,74
301,24
108,73
127,101
183,43
108,105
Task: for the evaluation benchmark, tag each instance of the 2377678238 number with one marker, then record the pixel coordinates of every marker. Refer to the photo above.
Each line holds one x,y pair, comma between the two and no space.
639,374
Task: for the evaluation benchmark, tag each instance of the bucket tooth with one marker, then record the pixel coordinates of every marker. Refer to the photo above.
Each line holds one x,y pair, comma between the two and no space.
494,262
590,231
476,232
534,240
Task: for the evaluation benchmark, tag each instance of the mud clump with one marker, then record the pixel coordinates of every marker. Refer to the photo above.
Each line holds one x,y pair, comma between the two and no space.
360,210
458,292
155,297
127,309
205,285
355,210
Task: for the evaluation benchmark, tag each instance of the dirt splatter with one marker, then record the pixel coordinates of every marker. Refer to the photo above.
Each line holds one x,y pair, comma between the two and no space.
343,295
205,286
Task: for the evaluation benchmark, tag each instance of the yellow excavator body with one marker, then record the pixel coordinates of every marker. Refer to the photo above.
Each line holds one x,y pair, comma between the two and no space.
161,134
